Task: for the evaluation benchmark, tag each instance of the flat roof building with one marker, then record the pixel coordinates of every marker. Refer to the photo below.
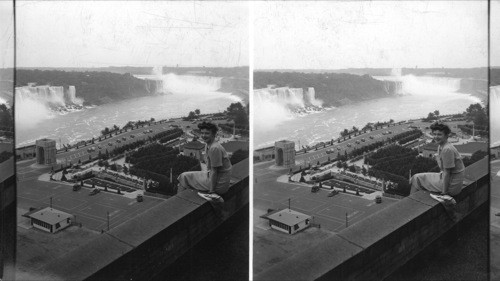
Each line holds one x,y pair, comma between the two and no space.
288,221
50,219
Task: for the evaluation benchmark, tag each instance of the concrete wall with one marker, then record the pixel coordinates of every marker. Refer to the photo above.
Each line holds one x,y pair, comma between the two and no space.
375,247
151,241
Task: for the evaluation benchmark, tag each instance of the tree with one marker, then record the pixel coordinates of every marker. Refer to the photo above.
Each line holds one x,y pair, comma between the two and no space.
363,170
436,112
125,169
197,111
339,164
344,165
191,115
237,112
352,169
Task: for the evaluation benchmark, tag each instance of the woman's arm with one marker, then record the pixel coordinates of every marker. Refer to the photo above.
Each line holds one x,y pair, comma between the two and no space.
213,178
446,180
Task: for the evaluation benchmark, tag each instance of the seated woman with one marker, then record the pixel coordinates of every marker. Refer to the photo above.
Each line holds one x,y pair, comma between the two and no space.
214,181
449,181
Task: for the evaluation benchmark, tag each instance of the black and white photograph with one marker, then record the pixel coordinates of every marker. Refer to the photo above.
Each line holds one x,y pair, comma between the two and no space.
126,129
495,140
7,162
132,140
370,136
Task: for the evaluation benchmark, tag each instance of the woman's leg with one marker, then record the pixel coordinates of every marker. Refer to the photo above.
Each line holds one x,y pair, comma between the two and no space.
426,181
198,180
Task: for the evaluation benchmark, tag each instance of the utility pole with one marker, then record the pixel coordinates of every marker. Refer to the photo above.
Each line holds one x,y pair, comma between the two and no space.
108,218
346,220
289,204
51,202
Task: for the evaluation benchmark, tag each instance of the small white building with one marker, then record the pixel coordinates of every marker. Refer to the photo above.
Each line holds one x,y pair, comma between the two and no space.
289,221
50,220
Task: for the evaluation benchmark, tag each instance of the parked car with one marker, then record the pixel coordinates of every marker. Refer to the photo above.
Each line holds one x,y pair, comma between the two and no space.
132,136
333,193
378,199
349,145
94,191
371,137
363,140
110,144
124,138
76,187
328,151
140,198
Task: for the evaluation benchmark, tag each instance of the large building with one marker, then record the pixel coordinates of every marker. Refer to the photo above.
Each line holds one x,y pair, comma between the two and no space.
264,154
50,220
26,152
495,152
465,150
233,146
288,221
46,151
284,153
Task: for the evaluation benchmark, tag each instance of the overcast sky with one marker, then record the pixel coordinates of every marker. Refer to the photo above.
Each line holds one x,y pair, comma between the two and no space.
6,34
495,33
88,33
343,34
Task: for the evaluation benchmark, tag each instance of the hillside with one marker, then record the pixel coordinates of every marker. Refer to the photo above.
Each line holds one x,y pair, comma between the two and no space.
334,89
94,87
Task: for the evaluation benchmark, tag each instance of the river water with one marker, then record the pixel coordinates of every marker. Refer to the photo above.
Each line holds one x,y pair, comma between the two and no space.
183,94
421,96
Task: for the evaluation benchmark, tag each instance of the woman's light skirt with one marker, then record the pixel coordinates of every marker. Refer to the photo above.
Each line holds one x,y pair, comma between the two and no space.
434,182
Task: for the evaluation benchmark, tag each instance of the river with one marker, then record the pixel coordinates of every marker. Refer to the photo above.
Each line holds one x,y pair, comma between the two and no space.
183,94
421,96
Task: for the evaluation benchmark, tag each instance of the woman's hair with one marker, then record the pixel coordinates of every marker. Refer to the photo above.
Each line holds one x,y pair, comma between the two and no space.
441,127
208,126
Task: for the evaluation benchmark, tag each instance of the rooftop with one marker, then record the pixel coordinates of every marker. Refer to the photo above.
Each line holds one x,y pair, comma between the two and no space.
232,146
265,148
288,217
472,147
194,145
50,215
431,146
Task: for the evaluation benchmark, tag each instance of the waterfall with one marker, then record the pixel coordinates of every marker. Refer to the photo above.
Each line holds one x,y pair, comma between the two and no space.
495,115
189,84
71,98
275,105
310,98
35,103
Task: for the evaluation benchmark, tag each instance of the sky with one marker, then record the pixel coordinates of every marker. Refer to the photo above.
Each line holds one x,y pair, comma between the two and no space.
495,33
119,33
6,34
358,34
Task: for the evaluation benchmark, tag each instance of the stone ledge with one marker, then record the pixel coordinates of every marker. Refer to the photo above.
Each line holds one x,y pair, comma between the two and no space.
385,241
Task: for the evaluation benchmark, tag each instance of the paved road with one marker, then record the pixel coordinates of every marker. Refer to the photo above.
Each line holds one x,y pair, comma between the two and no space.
109,144
378,135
